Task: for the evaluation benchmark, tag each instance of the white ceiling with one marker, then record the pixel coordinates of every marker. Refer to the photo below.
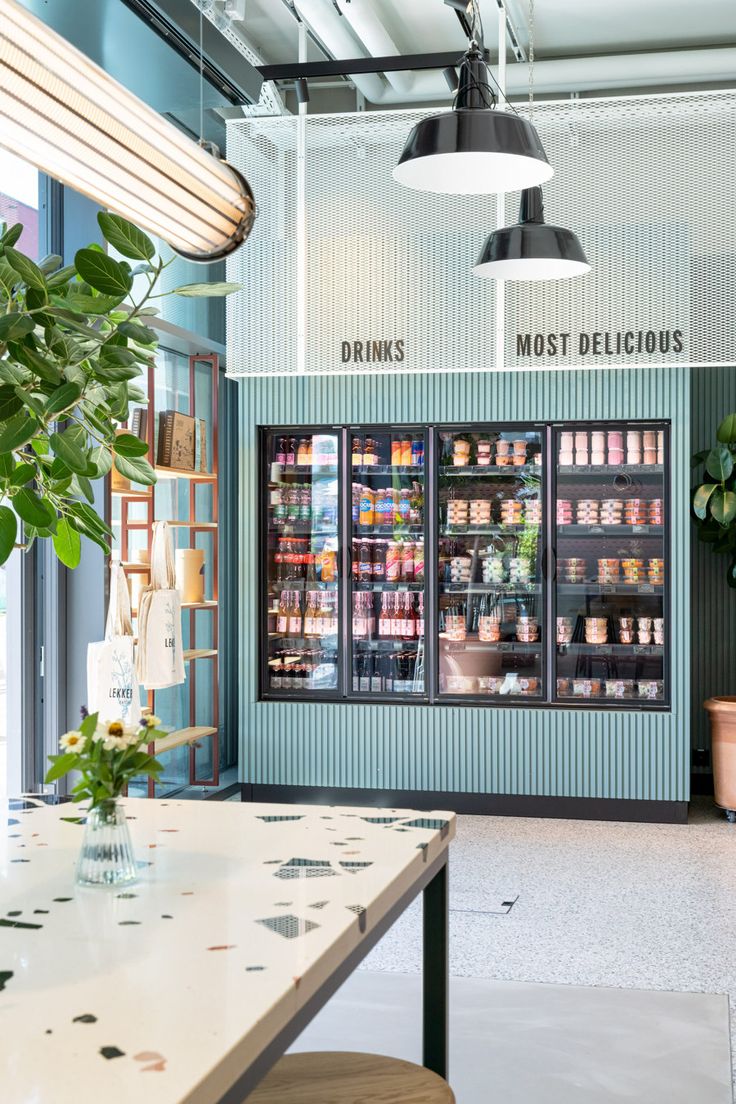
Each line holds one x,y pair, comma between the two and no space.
564,28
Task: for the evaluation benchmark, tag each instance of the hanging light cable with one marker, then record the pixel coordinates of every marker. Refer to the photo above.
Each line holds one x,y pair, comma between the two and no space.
475,149
70,119
532,250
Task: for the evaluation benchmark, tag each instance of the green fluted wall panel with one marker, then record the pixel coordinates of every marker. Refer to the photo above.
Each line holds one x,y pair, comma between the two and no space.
713,616
477,750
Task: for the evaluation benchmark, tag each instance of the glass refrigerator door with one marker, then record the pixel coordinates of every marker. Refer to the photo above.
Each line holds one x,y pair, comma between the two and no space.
387,565
610,550
491,595
302,563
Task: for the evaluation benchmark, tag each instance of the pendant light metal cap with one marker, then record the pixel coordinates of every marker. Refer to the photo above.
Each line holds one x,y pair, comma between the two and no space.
472,151
532,250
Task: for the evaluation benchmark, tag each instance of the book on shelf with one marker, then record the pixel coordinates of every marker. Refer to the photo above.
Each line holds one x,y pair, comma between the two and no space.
200,445
176,440
139,423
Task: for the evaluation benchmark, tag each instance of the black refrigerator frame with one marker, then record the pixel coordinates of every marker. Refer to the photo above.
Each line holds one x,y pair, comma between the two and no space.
548,555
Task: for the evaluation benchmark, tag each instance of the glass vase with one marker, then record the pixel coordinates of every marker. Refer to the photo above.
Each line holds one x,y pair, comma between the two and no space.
106,858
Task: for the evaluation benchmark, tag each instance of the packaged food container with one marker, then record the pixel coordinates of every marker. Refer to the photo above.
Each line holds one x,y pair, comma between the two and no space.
582,457
650,688
626,636
581,440
503,448
564,686
503,461
490,684
528,685
460,684
615,456
586,688
645,636
619,688
566,458
489,628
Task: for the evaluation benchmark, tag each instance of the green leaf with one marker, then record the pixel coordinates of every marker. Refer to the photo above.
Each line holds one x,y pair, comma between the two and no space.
13,373
22,474
9,402
15,325
699,458
138,470
93,304
29,272
68,450
63,276
8,532
726,432
102,272
36,363
72,321
7,463
723,506
63,398
144,335
11,235
85,487
62,764
719,463
116,373
125,237
49,263
217,287
102,460
36,511
16,431
35,402
126,444
67,544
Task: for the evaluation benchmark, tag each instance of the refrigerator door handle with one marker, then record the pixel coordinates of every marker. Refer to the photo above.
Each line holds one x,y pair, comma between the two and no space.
549,564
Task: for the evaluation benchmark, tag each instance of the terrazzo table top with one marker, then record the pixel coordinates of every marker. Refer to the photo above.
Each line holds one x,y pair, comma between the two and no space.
167,990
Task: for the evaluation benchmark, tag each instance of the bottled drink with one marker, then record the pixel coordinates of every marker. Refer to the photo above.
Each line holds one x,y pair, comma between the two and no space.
360,619
365,564
404,505
295,615
293,502
370,456
281,451
310,624
379,560
406,450
366,673
357,489
367,506
385,622
305,503
275,671
389,674
302,452
407,562
376,678
278,501
395,452
357,452
282,619
407,620
393,562
328,618
419,561
420,616
291,451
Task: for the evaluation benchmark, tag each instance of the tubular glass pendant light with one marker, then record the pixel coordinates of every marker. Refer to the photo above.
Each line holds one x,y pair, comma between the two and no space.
532,250
66,116
475,149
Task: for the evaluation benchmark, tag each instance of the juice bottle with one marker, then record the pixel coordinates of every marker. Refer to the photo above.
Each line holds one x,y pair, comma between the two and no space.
329,620
393,561
419,562
291,450
367,506
357,492
384,618
365,565
295,615
404,505
370,455
357,452
379,560
395,452
302,452
420,616
407,562
309,612
281,451
282,620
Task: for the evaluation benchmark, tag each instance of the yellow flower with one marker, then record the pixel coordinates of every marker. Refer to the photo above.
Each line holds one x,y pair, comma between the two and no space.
73,741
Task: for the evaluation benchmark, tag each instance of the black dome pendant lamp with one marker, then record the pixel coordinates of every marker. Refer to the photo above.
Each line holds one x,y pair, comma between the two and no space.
532,250
475,149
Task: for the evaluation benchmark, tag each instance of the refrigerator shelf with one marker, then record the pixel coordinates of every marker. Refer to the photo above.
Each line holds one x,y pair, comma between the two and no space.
490,588
388,469
306,469
278,585
609,531
595,589
398,530
290,528
488,531
387,645
602,650
508,470
473,644
398,587
610,469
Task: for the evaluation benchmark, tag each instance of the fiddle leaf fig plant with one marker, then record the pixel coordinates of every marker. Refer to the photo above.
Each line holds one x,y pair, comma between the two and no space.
714,500
74,341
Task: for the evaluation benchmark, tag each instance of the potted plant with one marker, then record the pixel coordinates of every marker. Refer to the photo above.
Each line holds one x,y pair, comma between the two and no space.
73,343
714,511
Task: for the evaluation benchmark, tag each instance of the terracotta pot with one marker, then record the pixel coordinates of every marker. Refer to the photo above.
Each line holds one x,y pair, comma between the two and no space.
722,712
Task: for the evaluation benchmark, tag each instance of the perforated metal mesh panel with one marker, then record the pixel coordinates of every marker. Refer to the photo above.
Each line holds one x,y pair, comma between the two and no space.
647,183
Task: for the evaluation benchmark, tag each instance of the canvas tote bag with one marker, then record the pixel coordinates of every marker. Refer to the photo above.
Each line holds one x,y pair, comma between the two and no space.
160,659
112,686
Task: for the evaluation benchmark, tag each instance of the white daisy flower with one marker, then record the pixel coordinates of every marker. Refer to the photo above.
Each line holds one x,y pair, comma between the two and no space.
115,735
72,741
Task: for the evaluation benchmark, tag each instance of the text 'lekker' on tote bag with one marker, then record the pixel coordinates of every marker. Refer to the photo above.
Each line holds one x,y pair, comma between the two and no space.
112,686
160,661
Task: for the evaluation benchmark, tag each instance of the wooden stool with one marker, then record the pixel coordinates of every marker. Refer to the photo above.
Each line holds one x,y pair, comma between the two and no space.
342,1077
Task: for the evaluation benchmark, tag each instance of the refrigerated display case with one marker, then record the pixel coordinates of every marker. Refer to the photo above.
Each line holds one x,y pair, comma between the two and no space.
301,580
387,563
491,622
494,564
611,547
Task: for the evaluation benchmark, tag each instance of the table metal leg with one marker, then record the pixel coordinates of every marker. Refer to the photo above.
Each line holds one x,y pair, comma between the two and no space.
435,968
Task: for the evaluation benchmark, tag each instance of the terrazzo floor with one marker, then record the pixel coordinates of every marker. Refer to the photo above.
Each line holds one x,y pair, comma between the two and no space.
632,906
